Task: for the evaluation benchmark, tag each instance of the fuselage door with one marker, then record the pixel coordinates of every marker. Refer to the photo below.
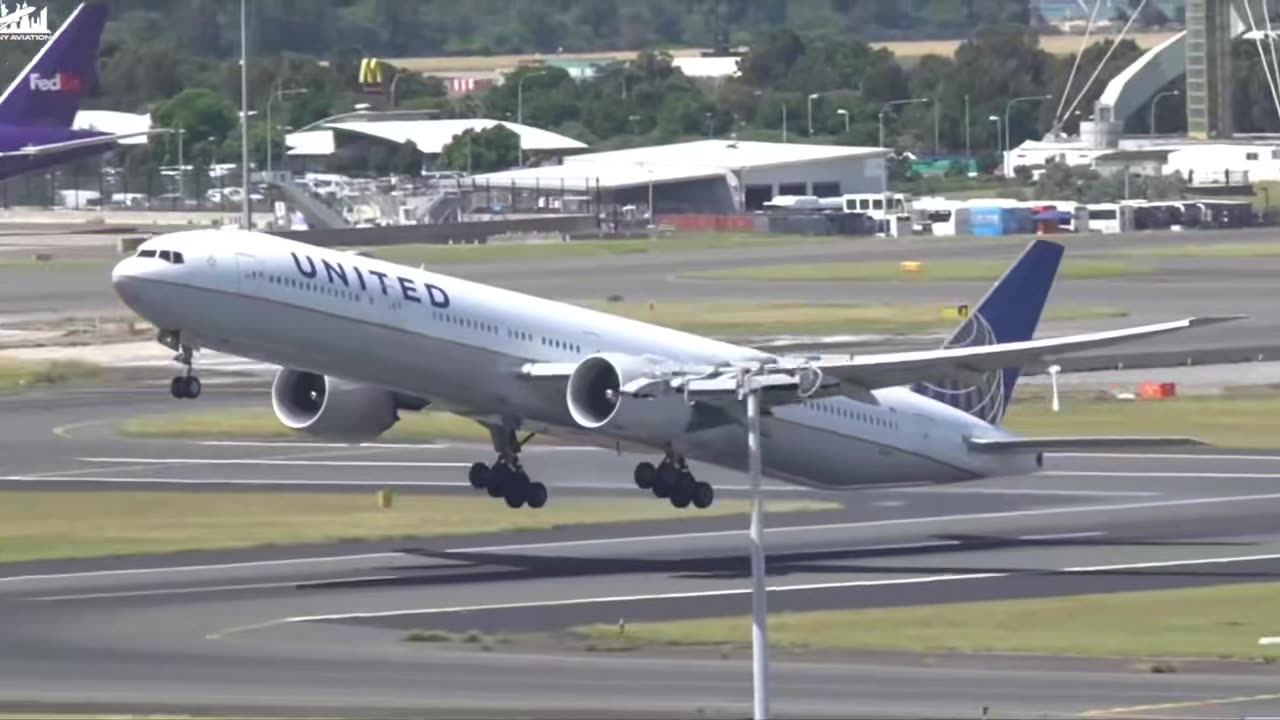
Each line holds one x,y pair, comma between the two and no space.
249,273
591,343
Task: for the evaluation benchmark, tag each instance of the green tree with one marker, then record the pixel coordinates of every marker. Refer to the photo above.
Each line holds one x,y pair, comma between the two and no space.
488,150
202,112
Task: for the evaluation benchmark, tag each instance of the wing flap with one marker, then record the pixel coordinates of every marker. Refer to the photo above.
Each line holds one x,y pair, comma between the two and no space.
892,369
1052,444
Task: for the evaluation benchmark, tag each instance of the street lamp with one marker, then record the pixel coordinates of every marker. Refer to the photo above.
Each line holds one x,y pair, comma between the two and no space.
999,142
890,104
246,219
812,97
1151,128
271,128
710,124
635,124
1008,148
845,114
520,94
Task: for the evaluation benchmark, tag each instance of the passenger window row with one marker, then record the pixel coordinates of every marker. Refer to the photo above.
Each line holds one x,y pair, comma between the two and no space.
165,255
841,410
493,329
311,287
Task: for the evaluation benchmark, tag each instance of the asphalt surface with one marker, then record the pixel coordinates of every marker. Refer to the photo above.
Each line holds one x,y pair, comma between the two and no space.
316,630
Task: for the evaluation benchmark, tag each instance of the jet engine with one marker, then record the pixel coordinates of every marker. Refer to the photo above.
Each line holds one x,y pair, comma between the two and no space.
595,401
330,408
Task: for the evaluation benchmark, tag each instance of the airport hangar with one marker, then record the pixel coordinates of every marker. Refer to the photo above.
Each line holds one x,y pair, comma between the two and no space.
704,176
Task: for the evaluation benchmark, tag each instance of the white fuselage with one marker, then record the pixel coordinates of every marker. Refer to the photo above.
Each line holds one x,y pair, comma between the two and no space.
461,345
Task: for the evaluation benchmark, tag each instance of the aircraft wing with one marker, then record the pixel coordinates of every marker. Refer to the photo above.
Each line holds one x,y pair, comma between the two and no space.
1059,444
892,369
37,150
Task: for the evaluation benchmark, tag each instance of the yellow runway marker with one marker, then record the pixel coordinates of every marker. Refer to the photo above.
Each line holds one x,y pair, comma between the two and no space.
1180,705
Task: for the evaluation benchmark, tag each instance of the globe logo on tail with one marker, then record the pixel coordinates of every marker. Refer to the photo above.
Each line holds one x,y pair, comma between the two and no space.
983,397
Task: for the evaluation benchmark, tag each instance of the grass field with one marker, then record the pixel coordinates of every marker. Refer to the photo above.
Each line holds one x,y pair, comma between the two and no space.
35,525
1218,250
747,319
937,270
1230,421
1216,622
515,251
905,49
15,375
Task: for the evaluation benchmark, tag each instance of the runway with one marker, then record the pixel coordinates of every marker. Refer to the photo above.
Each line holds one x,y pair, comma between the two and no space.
316,630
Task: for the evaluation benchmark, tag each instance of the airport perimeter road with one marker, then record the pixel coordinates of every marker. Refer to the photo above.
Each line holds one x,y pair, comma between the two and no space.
316,630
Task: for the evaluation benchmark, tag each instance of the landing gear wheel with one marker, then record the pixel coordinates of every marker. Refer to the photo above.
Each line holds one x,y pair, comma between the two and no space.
175,387
517,489
646,474
682,493
191,387
479,475
536,495
499,478
665,481
703,495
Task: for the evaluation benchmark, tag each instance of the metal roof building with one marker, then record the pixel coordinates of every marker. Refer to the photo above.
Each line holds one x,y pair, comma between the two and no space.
706,175
429,134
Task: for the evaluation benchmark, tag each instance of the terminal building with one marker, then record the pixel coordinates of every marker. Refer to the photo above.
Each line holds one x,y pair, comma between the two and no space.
704,176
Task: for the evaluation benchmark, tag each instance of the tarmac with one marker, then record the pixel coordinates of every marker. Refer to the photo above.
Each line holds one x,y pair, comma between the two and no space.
317,629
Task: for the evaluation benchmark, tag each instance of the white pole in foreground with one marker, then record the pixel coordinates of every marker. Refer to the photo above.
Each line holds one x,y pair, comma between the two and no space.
1053,379
759,609
245,218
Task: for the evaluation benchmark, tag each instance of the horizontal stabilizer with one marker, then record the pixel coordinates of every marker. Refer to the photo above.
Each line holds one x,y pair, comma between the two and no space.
36,150
1058,444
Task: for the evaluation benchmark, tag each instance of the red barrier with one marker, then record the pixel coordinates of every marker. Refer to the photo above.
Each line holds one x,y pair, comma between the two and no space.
703,222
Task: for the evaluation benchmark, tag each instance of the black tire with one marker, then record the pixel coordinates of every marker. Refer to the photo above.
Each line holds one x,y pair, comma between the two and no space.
536,495
665,481
703,495
478,476
645,475
516,495
680,498
191,387
499,478
175,387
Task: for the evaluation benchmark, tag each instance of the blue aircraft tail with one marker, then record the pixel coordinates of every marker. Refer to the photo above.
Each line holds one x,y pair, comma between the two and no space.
47,92
1009,313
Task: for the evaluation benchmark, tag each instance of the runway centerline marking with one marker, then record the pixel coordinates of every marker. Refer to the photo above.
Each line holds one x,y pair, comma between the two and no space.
1062,536
718,593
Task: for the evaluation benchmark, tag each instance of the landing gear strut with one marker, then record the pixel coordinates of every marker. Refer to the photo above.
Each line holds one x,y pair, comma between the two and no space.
672,479
506,478
185,386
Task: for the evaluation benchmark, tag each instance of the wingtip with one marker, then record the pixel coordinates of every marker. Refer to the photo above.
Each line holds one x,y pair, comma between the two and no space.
1213,319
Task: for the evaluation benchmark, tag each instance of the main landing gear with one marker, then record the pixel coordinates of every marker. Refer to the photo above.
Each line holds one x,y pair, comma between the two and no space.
187,385
672,479
506,478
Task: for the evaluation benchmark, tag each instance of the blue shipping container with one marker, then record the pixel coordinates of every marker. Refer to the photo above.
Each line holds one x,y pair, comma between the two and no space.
1000,221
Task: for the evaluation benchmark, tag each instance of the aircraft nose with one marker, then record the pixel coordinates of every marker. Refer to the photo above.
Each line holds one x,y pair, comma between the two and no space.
125,278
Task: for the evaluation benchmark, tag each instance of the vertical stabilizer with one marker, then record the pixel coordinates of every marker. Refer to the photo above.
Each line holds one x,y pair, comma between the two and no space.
48,90
1009,313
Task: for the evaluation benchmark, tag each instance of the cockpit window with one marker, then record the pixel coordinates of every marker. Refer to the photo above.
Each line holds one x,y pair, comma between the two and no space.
165,255
146,253
177,258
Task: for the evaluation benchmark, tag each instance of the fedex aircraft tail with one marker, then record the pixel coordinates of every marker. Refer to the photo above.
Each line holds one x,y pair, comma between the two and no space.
47,92
1009,313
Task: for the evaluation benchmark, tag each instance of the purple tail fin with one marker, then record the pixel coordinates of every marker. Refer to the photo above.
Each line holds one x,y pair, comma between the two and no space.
47,92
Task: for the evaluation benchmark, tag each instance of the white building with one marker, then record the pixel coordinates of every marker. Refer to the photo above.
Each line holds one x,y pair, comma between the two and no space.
706,175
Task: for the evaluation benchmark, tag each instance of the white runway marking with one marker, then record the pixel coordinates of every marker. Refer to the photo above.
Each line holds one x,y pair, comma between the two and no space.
201,568
1025,491
1144,474
1038,512
734,591
1062,536
210,588
255,461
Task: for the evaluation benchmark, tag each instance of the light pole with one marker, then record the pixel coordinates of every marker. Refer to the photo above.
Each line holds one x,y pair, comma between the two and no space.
812,97
520,94
890,104
635,124
271,128
391,92
1053,379
749,391
967,153
1008,148
845,114
784,120
1151,128
246,218
999,141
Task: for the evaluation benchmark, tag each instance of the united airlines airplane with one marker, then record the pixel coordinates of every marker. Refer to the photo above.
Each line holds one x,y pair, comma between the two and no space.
360,340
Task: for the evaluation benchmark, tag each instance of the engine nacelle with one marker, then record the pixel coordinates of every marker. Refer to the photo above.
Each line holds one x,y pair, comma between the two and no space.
595,401
329,408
